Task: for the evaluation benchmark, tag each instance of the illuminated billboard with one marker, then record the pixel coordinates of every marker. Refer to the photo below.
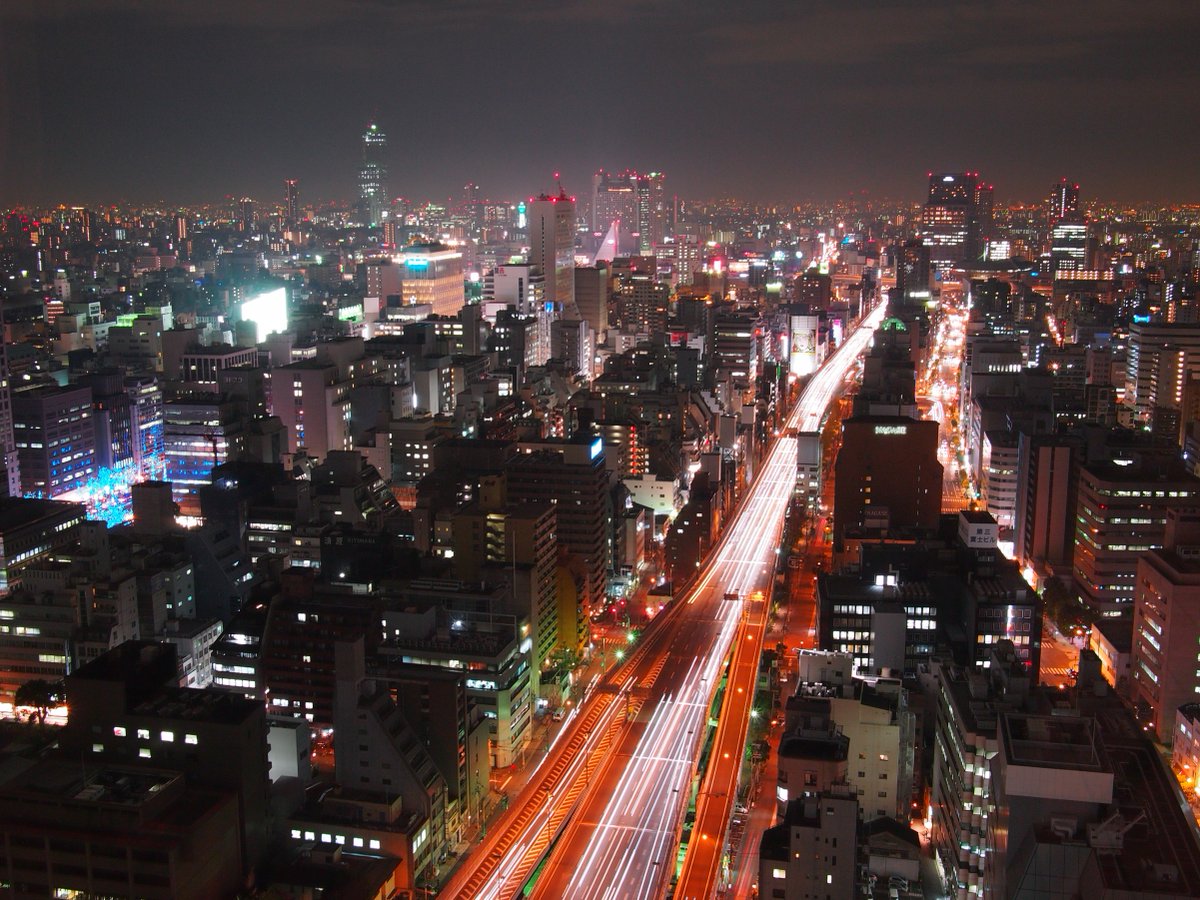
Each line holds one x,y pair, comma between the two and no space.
268,312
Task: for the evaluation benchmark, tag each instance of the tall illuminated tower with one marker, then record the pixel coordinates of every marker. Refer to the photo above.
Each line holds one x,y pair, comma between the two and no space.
1063,202
10,472
552,248
292,187
372,177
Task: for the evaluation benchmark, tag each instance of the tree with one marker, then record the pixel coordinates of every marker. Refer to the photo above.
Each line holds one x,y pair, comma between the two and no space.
40,694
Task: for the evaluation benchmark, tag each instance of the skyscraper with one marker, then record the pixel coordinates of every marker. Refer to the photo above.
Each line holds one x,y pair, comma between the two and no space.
652,211
292,196
10,471
956,218
1063,202
1068,230
372,178
552,248
614,198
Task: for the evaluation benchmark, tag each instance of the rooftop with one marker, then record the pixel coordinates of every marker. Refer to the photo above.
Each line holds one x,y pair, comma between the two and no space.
17,512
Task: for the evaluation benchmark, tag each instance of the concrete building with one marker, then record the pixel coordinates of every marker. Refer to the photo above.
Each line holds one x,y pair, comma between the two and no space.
30,530
966,738
55,436
433,275
1121,514
517,541
552,248
813,851
888,473
70,826
573,477
1166,625
126,710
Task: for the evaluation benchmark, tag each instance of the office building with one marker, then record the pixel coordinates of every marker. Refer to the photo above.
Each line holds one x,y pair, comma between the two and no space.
593,289
1121,514
1068,246
552,248
914,289
956,218
1043,516
291,201
615,199
10,467
1063,202
653,211
432,274
127,710
199,434
574,478
372,177
381,755
968,703
1166,625
888,475
55,436
813,851
78,828
516,540
1160,360
641,304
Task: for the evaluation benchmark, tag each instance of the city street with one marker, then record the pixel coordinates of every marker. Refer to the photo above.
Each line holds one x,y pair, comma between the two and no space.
615,785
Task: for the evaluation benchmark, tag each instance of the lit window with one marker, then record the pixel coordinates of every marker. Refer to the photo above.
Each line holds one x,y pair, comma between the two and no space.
97,748
144,753
374,844
779,873
144,734
119,731
190,739
168,736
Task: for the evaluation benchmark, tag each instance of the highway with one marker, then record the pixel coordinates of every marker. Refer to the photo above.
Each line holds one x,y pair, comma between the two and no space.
612,791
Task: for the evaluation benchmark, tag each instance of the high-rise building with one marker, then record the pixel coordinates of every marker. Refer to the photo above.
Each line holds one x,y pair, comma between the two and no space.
912,276
887,474
956,218
593,287
1121,514
523,287
433,274
1166,625
55,435
292,200
552,248
10,467
574,478
1063,202
653,211
517,539
246,212
372,177
614,199
1045,501
1160,360
1068,245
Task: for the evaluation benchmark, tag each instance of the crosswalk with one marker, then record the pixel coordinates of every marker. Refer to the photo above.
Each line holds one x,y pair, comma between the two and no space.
1056,670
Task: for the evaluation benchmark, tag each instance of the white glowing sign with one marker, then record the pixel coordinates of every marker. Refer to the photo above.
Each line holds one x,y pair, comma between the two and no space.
891,429
268,312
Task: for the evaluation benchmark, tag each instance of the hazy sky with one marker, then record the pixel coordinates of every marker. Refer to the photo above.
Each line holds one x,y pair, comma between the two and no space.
192,100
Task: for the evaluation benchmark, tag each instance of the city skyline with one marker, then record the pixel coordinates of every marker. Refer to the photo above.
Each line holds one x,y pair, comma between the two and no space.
766,104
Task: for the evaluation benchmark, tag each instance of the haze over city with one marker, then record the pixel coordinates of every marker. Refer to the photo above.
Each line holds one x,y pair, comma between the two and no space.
115,100
599,450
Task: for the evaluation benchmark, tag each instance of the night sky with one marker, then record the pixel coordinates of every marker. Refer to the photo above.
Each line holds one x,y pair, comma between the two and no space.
185,102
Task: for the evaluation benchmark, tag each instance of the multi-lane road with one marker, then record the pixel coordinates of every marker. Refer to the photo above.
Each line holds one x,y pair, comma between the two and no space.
605,808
